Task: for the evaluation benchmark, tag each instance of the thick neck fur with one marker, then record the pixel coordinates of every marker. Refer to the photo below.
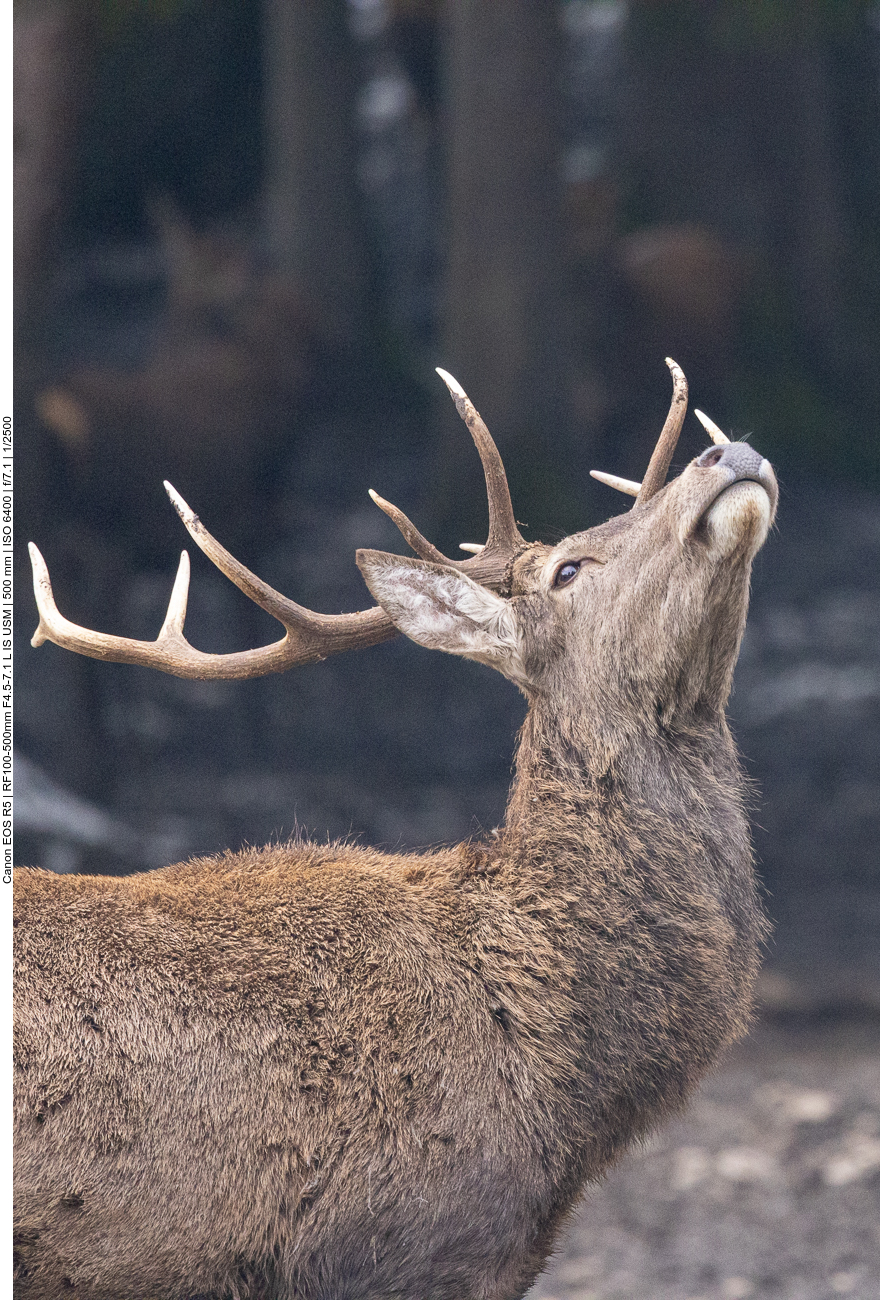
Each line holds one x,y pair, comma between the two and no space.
577,803
641,733
636,859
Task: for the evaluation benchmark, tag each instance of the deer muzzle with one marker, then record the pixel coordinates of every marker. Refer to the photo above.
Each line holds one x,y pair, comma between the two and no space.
736,494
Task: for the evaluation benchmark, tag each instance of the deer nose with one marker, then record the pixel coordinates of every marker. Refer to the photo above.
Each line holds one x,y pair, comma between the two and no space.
737,456
741,462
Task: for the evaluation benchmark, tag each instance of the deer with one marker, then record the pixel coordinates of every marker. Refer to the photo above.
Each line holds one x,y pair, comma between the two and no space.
324,1072
236,350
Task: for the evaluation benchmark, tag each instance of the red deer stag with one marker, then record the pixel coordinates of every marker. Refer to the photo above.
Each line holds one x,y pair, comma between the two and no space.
323,1072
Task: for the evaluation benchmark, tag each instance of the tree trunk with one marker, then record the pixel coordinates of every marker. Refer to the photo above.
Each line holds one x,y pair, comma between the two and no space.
311,204
736,122
502,331
52,40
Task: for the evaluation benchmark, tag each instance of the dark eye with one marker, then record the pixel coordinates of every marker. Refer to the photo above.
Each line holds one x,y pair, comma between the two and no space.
566,572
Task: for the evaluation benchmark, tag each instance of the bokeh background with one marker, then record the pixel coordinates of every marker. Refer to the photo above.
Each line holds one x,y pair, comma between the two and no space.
246,232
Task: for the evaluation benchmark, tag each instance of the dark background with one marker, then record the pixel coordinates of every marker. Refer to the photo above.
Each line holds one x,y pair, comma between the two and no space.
246,233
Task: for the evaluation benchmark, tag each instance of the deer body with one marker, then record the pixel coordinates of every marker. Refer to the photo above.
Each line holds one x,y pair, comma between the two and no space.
326,1073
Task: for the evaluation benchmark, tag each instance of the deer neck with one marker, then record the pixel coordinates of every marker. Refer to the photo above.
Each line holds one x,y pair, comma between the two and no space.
629,867
584,800
646,751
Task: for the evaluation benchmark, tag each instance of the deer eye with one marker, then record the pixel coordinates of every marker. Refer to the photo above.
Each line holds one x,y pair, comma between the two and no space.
566,572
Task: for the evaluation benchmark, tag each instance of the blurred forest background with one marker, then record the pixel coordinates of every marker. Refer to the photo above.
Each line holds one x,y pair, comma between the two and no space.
246,233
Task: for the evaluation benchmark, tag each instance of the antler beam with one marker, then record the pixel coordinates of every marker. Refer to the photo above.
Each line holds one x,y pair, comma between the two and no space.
309,636
658,466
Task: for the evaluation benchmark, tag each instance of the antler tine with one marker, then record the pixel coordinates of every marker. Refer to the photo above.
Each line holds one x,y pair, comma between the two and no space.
658,466
308,637
717,435
176,615
53,626
627,485
504,536
169,651
293,616
422,547
490,563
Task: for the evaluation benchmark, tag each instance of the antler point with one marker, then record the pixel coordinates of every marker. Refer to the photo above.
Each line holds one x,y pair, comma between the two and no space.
718,436
176,615
187,514
629,486
451,383
42,593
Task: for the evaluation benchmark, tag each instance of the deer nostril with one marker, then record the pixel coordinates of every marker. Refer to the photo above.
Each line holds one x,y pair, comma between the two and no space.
739,457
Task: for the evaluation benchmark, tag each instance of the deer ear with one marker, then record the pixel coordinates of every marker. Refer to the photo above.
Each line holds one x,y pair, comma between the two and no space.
445,610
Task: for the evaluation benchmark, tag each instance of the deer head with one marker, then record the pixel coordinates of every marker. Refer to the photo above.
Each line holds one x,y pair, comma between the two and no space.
636,620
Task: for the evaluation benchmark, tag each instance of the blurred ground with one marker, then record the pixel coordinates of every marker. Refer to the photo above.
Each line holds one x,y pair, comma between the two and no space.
768,1188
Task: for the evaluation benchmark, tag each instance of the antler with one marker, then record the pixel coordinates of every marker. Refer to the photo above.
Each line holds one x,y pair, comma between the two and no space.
658,466
627,485
491,564
717,435
309,636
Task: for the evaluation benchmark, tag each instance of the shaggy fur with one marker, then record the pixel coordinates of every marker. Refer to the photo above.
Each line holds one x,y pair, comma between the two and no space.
325,1073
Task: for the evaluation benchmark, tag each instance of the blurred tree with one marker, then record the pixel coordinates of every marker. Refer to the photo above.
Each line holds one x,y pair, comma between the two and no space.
739,118
175,110
503,335
312,209
212,404
53,44
52,63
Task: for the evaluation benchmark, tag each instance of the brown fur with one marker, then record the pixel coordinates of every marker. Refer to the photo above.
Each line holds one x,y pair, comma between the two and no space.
328,1073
